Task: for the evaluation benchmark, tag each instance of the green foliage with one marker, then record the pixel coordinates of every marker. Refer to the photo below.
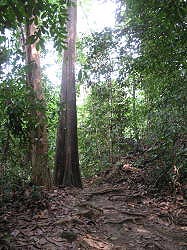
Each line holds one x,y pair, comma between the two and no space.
135,76
95,57
155,32
15,127
101,128
111,113
137,72
16,99
49,16
16,119
52,102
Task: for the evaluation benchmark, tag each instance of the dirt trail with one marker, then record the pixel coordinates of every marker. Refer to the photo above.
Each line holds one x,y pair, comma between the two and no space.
112,212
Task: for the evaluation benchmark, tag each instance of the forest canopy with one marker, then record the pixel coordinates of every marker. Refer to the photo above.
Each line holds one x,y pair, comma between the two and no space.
134,81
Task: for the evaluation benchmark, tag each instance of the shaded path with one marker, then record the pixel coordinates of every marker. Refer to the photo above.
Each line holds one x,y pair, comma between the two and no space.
113,211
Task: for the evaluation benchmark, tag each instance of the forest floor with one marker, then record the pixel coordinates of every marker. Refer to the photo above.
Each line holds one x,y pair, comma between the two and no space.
114,211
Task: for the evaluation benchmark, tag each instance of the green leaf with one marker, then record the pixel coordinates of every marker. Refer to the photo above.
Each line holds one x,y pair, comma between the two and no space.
36,20
38,46
32,39
3,2
80,75
2,39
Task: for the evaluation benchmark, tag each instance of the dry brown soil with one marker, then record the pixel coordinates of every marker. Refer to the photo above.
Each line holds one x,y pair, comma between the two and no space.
113,212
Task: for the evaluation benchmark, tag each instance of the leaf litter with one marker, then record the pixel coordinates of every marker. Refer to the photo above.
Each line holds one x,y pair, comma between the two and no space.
114,211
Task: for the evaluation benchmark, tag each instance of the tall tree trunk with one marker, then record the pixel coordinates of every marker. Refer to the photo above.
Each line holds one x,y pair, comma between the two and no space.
39,140
134,119
110,121
67,171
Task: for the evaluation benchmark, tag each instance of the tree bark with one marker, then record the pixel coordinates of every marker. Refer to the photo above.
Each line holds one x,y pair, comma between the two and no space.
39,140
134,119
67,171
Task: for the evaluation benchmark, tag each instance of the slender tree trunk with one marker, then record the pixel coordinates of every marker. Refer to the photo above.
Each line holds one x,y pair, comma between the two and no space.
39,140
67,172
135,128
110,135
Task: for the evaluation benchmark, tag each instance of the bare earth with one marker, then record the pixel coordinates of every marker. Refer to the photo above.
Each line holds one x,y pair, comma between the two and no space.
113,212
